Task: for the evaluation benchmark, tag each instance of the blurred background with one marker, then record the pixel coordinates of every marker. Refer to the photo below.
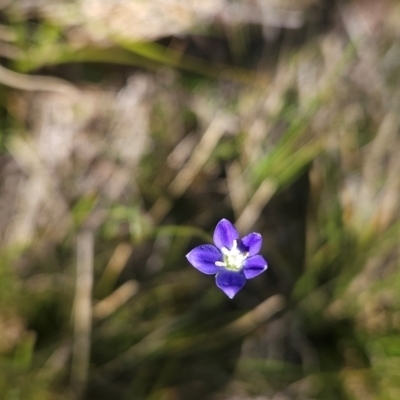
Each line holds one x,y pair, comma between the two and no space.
128,129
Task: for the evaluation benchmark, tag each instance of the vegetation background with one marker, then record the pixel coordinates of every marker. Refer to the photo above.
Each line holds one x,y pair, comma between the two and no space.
128,129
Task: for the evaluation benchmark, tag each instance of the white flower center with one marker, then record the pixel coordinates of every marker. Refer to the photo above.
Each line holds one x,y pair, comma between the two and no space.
233,258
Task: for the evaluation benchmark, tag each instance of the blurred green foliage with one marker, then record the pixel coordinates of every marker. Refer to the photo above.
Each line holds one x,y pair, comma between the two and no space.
128,130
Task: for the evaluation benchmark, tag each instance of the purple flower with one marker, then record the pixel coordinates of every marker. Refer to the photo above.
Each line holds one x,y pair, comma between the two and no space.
233,260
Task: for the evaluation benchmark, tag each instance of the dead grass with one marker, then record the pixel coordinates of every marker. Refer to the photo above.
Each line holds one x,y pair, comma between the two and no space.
139,126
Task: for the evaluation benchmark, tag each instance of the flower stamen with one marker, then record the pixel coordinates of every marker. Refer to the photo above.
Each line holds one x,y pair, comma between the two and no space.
233,258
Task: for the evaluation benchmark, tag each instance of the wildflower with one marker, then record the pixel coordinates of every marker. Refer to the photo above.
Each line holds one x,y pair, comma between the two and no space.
232,260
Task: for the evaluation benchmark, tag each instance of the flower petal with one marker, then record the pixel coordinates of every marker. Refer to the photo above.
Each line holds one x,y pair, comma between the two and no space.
254,266
204,257
230,282
252,243
224,235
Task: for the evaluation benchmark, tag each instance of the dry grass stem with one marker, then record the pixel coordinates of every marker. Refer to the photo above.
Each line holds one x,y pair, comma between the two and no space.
82,312
115,300
237,188
192,167
114,267
255,205
37,83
